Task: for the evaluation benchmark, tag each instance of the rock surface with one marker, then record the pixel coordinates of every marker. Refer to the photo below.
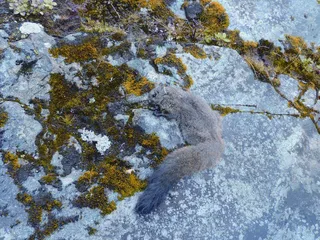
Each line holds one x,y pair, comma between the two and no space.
267,185
273,19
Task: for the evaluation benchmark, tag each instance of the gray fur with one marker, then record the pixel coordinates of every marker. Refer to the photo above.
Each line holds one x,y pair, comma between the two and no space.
200,127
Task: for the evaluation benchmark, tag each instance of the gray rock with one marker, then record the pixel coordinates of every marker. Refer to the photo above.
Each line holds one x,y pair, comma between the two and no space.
167,131
273,19
24,74
266,186
13,217
20,131
193,10
175,7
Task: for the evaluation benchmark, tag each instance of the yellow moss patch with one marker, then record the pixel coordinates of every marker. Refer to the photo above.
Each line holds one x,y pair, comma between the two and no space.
214,18
224,110
139,87
88,177
3,117
52,204
12,160
152,141
96,198
297,44
24,198
49,178
260,70
195,51
249,46
50,228
121,182
77,53
171,60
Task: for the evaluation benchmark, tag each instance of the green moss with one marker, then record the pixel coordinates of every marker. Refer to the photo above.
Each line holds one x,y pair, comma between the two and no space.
34,215
52,226
91,231
132,86
24,198
142,53
195,51
96,198
12,160
53,204
171,60
214,18
224,110
49,178
77,53
115,178
3,117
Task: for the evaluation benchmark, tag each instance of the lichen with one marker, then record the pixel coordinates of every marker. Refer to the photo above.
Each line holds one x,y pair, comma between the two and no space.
28,7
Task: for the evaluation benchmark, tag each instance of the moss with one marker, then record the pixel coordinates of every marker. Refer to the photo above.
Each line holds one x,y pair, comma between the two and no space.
49,178
54,204
118,180
296,44
152,141
77,53
171,60
195,51
52,226
117,49
224,110
34,215
91,231
24,198
118,36
3,117
88,178
139,87
96,198
214,18
142,53
260,70
68,113
12,160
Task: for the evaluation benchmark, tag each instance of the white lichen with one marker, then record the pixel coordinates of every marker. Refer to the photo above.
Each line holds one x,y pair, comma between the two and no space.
28,7
102,142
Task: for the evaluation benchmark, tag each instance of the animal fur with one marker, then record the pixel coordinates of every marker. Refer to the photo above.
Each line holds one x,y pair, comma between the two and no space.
201,129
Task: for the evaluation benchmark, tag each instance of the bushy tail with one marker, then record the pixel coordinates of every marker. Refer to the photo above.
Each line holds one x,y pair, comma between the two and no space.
158,187
178,164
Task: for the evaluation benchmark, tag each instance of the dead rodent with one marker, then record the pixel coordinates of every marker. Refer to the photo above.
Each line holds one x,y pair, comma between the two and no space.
201,129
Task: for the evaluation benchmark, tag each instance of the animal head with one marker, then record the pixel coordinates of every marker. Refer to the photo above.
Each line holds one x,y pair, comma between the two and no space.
166,97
